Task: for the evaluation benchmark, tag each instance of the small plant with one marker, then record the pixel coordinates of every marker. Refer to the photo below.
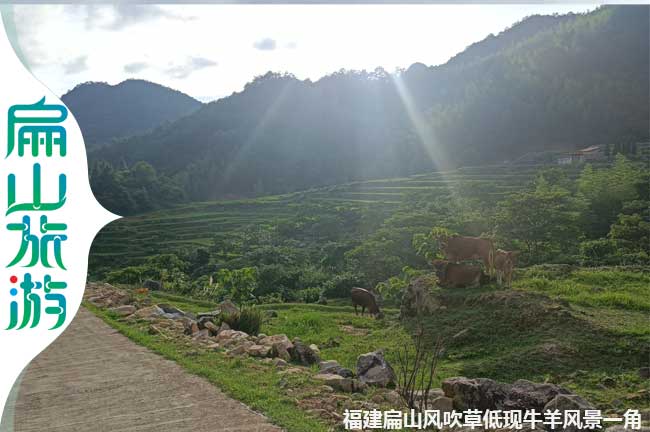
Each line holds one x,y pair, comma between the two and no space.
249,320
416,365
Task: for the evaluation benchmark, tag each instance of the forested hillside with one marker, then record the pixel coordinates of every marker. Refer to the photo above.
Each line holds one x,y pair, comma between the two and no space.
547,83
106,112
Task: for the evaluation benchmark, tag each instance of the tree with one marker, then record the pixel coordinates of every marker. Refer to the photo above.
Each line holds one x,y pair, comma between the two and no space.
238,284
543,222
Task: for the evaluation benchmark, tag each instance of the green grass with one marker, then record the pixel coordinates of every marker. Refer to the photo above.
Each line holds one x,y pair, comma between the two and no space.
529,332
247,380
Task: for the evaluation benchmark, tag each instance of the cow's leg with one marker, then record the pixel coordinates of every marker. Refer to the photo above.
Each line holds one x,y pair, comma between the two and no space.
356,312
363,310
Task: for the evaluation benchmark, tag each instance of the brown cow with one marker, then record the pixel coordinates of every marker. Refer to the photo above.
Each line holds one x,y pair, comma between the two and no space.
454,275
458,248
365,299
504,264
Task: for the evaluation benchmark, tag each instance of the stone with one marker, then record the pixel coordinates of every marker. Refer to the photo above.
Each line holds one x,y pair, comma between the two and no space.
315,349
201,334
280,339
231,335
211,314
278,350
564,402
228,307
202,320
211,327
171,312
240,349
441,403
258,350
478,393
373,369
333,367
279,363
147,312
644,372
123,310
417,299
303,354
222,327
340,383
523,395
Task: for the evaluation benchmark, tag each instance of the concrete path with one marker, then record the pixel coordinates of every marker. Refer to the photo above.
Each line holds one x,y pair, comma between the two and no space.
95,379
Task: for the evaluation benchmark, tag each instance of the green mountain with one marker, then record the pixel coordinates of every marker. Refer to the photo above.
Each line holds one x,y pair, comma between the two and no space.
106,112
546,83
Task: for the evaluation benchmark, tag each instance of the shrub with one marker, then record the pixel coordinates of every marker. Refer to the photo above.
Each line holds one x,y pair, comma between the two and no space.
309,295
248,320
340,285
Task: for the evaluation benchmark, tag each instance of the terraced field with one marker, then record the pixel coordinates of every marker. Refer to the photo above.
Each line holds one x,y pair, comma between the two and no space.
130,240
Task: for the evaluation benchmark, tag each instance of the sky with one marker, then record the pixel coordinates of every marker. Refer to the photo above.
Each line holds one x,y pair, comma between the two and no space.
211,51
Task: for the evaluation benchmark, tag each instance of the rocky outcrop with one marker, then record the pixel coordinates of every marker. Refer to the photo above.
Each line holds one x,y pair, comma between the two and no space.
417,299
303,354
373,369
484,394
333,367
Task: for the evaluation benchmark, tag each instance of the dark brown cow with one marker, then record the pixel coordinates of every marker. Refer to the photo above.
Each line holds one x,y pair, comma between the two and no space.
458,248
454,275
365,299
504,264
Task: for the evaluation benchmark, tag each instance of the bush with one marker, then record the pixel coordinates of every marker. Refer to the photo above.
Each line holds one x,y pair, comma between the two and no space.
248,320
340,285
309,295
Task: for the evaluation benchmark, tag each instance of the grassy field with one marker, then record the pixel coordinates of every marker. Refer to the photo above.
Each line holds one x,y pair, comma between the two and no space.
129,241
558,324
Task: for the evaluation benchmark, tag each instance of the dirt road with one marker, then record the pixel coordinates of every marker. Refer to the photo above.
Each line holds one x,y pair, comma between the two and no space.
95,379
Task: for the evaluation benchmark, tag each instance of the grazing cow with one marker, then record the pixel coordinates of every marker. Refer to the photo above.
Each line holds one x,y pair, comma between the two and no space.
365,299
504,264
458,248
455,275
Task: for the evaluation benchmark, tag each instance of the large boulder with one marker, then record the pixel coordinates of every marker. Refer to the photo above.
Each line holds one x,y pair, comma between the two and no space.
258,350
373,369
478,393
303,354
525,394
417,299
228,338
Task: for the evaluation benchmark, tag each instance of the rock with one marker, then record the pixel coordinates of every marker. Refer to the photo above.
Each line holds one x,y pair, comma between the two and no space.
279,363
644,372
564,402
261,336
201,334
147,312
211,327
211,314
228,307
326,389
333,367
241,348
278,350
202,320
123,310
441,403
303,354
315,349
229,338
373,369
222,327
340,383
417,299
152,285
280,339
258,350
171,312
479,393
394,399
523,395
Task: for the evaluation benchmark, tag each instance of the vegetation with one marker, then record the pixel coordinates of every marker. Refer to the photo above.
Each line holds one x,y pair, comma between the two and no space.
560,83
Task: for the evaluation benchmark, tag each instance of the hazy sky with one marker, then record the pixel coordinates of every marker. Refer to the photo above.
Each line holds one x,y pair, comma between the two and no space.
210,51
